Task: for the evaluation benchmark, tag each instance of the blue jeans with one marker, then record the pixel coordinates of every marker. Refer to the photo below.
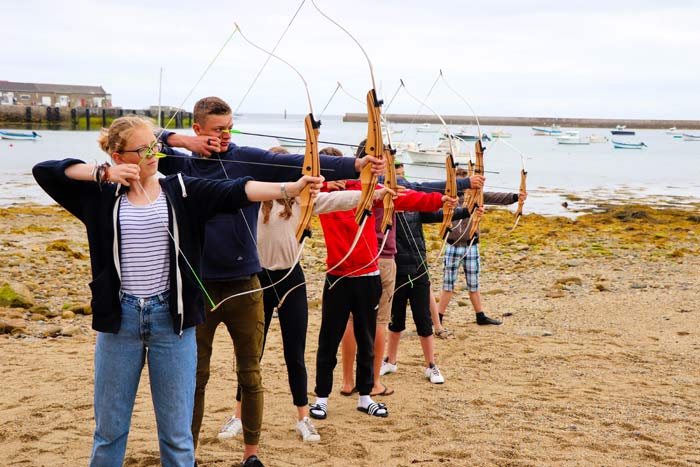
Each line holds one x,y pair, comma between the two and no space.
146,333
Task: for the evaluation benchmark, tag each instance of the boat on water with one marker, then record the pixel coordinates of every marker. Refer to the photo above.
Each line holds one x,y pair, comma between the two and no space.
426,128
467,136
500,134
573,137
598,139
689,137
622,130
291,143
436,155
554,130
20,136
623,145
673,131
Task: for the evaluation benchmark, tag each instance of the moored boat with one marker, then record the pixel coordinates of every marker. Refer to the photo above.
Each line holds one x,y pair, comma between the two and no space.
554,130
436,155
500,134
598,139
427,128
291,143
17,136
689,137
573,137
623,145
622,130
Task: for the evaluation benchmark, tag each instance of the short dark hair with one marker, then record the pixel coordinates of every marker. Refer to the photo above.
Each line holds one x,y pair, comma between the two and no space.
331,151
209,106
360,153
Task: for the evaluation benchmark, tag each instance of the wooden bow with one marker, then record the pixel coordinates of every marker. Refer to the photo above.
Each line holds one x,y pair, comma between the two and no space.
311,167
477,194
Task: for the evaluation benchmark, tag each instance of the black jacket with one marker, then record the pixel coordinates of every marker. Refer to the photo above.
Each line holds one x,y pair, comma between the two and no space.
191,201
410,244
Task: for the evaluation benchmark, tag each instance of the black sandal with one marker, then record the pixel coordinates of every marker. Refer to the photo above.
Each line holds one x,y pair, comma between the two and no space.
321,411
375,409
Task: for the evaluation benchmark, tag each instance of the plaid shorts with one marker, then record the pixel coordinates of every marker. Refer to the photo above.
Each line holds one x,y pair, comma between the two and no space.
454,255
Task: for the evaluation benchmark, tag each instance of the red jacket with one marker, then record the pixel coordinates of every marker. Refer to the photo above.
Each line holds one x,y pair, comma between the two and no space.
339,230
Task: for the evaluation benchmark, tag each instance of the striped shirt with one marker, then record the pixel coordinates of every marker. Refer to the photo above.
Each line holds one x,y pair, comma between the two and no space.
145,254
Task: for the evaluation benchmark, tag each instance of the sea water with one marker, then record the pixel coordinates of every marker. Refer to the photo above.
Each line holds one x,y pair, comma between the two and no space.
667,172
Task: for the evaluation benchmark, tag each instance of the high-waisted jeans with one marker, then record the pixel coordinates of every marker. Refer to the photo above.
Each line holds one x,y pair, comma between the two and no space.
146,334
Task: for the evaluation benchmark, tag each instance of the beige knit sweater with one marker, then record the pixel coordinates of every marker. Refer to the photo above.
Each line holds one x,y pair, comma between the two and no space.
277,243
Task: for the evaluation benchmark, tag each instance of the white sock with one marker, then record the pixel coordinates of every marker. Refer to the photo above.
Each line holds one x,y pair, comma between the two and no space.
322,400
364,401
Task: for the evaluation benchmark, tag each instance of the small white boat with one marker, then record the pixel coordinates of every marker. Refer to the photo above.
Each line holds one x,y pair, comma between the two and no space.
20,136
673,131
623,145
500,134
426,128
689,137
291,143
436,155
554,130
573,137
598,139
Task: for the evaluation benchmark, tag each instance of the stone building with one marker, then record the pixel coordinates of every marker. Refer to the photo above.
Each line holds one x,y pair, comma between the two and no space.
53,95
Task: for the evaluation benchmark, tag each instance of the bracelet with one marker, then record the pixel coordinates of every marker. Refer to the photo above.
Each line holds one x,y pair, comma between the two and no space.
105,174
283,189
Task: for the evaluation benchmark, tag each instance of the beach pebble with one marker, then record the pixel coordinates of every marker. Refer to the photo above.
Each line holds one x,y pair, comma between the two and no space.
573,263
12,326
85,309
602,287
68,315
44,310
555,294
638,286
38,317
70,331
569,280
15,295
50,331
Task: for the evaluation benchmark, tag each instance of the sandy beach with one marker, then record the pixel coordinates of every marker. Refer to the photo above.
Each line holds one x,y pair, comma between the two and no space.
598,362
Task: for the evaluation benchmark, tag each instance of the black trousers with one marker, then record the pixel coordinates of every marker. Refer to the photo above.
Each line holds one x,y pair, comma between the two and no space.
359,296
293,318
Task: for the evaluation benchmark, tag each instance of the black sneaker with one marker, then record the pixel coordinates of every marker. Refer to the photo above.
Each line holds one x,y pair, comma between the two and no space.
482,320
253,461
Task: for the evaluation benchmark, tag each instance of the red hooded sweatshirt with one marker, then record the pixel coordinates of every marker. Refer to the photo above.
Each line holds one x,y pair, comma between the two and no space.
339,230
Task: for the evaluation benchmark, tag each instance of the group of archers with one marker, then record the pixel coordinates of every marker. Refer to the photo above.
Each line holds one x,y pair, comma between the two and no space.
220,227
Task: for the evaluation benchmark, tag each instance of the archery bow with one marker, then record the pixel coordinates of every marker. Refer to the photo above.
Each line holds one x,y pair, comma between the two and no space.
373,147
311,166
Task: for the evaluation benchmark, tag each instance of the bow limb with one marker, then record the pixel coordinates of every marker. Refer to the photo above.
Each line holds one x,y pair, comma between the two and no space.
389,208
451,191
521,201
312,167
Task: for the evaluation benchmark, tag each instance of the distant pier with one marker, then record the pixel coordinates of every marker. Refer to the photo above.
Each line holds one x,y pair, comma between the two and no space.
534,121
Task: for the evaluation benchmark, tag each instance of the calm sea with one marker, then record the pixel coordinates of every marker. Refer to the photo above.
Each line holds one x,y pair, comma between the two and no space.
667,172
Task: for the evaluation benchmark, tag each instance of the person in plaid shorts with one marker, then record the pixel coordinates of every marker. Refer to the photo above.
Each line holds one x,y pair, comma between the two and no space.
456,254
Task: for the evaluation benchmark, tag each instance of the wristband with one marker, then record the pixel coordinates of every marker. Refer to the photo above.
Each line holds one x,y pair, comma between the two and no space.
283,189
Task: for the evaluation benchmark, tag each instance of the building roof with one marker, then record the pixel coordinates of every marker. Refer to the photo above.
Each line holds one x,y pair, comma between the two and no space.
10,86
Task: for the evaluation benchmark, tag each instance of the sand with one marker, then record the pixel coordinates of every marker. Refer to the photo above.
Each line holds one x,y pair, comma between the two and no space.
598,362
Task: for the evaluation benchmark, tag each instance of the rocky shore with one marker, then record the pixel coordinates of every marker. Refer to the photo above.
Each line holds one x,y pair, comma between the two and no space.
598,362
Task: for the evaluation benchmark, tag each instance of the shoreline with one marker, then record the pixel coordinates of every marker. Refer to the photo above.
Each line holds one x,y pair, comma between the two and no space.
596,364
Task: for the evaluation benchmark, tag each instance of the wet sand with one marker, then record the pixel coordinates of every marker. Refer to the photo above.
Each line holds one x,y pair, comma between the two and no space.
598,362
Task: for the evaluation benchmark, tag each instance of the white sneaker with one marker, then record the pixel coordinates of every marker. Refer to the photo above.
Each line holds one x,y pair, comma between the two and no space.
434,375
307,431
231,428
388,367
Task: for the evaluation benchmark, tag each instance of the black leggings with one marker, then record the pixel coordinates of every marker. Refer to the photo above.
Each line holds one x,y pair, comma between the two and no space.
361,296
418,293
293,318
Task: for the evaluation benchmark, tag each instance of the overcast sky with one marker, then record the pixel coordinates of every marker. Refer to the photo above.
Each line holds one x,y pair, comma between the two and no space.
608,59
